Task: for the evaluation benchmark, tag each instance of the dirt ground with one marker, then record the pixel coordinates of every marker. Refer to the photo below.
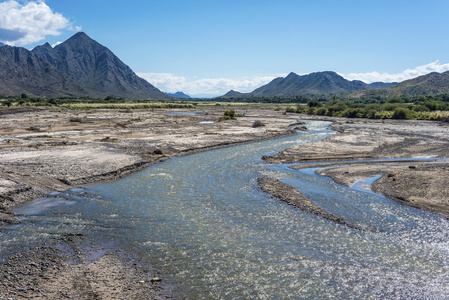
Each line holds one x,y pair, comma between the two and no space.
72,267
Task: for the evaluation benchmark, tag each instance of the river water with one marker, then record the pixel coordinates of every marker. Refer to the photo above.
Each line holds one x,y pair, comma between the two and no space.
202,221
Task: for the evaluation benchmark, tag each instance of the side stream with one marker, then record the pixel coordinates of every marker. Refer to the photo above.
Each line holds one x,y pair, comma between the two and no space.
202,220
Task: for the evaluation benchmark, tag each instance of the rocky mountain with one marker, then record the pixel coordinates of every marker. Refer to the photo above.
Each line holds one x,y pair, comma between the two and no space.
97,69
1,44
178,95
432,83
310,84
21,71
234,94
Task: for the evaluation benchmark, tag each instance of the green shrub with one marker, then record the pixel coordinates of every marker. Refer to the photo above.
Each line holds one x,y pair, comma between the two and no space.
322,111
400,113
229,114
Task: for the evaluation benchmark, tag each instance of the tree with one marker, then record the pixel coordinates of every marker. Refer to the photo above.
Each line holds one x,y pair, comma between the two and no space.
313,103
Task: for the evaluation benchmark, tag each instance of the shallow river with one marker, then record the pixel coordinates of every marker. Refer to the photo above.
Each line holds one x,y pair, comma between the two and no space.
202,221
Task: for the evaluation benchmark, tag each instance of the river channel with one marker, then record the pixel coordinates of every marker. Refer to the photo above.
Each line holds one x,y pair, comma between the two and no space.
203,222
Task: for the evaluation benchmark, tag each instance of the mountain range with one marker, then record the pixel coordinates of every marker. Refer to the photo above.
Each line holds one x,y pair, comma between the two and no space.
429,84
178,95
311,84
79,66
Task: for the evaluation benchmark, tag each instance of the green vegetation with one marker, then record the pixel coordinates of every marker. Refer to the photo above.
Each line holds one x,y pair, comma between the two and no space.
85,103
431,107
229,114
418,107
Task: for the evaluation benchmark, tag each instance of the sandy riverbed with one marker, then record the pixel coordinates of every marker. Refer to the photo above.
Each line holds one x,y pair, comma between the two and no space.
47,150
415,182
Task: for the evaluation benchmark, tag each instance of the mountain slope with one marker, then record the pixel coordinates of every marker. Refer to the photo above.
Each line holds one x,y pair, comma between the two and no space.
432,83
314,83
23,72
97,68
178,95
310,84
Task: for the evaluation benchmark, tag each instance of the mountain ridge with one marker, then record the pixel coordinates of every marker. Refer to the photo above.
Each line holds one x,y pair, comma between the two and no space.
22,72
179,95
78,67
97,68
432,83
326,82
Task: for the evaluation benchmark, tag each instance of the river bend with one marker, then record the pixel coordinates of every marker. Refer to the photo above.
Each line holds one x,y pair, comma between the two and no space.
202,221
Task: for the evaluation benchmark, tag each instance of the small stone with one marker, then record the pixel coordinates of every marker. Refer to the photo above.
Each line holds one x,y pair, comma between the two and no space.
155,279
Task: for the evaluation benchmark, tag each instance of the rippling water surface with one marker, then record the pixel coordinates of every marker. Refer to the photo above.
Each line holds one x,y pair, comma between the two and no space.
202,221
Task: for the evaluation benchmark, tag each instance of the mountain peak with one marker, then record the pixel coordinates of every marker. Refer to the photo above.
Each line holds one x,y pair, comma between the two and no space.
78,40
80,35
95,68
178,95
292,74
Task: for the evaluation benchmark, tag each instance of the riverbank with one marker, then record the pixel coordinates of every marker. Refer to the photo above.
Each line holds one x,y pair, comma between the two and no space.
413,181
47,150
75,267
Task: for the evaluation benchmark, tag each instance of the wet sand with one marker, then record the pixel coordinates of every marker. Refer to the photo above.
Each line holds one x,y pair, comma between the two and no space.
74,267
292,196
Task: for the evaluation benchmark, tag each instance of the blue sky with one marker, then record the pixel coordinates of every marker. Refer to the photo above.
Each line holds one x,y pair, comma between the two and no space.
209,47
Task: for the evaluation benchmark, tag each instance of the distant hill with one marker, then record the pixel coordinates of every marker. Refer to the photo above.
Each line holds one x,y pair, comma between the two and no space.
178,95
21,71
311,84
97,69
1,44
432,83
234,94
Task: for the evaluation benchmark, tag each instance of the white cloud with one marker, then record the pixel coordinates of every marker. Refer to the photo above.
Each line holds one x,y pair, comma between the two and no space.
56,44
22,24
207,86
398,77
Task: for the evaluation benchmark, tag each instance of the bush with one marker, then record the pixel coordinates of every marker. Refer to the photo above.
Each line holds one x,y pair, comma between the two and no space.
229,115
371,114
258,123
400,113
322,111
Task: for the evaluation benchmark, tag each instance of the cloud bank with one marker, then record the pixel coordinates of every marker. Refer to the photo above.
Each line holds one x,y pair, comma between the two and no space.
405,75
22,24
207,87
